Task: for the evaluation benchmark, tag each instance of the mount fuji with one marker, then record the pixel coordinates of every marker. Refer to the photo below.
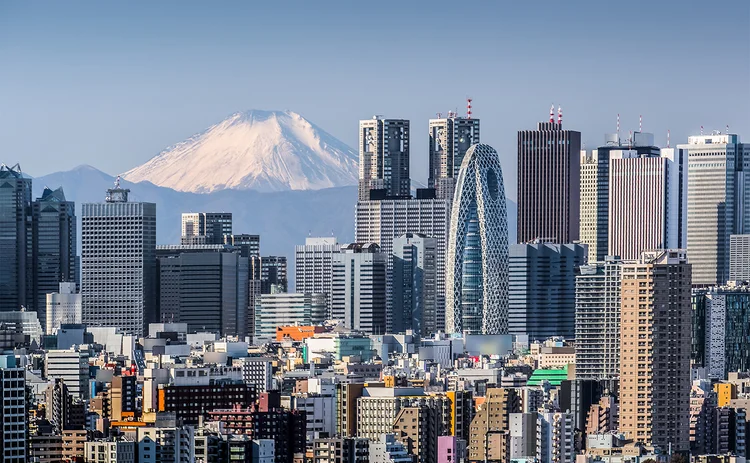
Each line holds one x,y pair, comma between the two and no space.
257,150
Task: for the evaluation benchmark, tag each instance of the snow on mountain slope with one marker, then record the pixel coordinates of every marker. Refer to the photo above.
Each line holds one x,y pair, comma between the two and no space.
258,150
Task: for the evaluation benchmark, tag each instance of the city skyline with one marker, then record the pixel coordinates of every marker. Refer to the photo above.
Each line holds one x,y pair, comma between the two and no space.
90,86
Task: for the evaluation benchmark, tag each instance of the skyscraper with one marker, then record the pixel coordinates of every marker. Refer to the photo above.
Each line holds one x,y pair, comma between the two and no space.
717,203
541,289
548,183
476,279
414,284
207,290
206,227
273,274
384,158
358,290
382,221
15,239
285,309
249,244
597,314
655,335
313,266
595,188
118,263
63,307
450,138
647,200
54,246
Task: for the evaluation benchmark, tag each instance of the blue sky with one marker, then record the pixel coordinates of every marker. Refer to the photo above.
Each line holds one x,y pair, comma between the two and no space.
112,83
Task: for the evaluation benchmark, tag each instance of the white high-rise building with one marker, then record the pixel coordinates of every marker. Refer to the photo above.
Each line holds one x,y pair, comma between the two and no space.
359,288
598,320
314,267
72,366
718,202
384,158
63,307
382,221
118,263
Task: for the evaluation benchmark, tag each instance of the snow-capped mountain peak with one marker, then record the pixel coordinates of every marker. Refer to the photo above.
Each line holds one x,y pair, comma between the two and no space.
258,150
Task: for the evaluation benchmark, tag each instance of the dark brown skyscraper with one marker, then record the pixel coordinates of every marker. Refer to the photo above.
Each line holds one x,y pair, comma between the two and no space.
548,182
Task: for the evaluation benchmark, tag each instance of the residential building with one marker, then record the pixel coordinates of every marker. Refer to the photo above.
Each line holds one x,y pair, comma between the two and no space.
383,221
206,290
548,183
383,158
541,289
63,307
414,284
450,138
12,411
717,207
555,438
655,332
477,254
386,448
72,366
341,450
257,371
172,443
54,246
320,410
110,451
285,309
359,288
206,227
595,187
597,319
118,263
313,267
491,423
190,401
15,239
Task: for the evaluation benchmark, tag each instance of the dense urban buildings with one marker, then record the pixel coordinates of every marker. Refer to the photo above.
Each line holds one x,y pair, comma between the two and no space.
450,138
541,289
118,262
384,159
717,207
548,183
654,356
477,254
284,309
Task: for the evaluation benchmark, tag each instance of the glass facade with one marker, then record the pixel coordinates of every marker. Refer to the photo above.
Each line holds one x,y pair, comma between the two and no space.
15,239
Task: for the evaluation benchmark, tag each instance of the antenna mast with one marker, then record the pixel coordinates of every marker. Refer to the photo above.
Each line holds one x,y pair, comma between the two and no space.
468,108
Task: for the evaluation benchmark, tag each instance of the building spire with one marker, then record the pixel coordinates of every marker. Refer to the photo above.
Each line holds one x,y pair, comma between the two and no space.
559,115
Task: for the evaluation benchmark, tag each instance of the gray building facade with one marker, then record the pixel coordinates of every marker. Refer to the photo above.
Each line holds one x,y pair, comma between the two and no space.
15,239
384,158
450,138
414,284
118,263
313,266
541,289
359,288
206,290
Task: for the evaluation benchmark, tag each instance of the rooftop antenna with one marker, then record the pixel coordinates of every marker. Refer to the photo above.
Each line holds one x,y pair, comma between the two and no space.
552,114
667,138
468,108
640,124
701,130
618,127
439,115
117,183
559,115
727,129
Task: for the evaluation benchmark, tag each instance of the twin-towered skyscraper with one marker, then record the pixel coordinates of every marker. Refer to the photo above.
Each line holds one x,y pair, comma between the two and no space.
465,181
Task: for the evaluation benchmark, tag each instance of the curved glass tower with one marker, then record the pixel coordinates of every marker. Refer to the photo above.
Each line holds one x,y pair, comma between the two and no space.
476,274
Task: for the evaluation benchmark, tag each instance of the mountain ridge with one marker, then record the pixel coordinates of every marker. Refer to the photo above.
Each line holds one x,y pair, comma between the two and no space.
254,149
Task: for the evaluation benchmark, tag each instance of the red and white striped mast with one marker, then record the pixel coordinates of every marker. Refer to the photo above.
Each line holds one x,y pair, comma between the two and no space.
552,114
468,108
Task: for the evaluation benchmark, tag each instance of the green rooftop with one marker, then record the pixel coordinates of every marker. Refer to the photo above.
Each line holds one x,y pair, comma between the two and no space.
554,376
